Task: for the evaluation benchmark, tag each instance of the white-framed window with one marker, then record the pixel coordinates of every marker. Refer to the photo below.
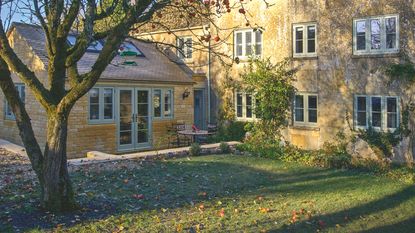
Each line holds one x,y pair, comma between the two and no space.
162,103
8,112
101,105
305,40
305,109
245,106
378,112
185,47
376,35
247,43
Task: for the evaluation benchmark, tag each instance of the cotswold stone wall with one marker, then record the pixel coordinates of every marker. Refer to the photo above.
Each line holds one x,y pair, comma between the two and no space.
82,136
336,75
8,128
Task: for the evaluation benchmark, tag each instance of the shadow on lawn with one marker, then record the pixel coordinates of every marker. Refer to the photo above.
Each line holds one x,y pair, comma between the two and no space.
373,207
177,183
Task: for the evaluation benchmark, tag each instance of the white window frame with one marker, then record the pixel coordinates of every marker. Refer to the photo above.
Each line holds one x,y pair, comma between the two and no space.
163,91
184,54
245,56
101,119
368,49
305,52
244,118
8,112
384,113
306,108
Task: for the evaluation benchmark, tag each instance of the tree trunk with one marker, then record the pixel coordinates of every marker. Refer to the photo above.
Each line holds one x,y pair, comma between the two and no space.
57,193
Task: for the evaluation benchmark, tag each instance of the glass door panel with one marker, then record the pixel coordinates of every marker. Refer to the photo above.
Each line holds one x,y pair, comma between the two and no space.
143,117
125,118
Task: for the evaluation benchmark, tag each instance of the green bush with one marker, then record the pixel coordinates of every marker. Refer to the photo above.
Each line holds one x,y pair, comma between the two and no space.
195,149
233,131
225,148
332,155
381,142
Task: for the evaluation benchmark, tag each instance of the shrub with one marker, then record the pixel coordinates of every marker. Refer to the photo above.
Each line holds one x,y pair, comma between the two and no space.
225,148
233,131
195,149
381,142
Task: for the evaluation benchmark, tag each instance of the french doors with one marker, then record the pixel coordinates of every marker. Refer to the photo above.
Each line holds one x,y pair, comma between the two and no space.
134,118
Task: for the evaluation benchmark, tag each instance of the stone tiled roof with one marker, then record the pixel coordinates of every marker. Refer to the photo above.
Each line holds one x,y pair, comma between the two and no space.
153,67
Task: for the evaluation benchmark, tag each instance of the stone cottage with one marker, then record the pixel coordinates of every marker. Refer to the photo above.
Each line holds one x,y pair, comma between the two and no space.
136,100
340,49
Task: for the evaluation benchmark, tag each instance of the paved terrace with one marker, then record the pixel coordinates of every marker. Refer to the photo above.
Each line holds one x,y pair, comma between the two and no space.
100,157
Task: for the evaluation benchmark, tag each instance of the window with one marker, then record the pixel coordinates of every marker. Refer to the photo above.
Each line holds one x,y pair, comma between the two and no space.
101,104
162,103
376,35
184,48
305,40
127,48
248,43
94,46
8,112
305,109
245,106
376,111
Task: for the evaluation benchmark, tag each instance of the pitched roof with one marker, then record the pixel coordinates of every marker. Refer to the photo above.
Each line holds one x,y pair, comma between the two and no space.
153,67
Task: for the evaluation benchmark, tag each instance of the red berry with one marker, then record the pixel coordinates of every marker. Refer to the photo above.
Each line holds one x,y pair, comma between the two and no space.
217,38
242,11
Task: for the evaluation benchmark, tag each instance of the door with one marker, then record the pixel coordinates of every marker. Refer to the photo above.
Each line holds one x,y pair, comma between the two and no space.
134,121
199,109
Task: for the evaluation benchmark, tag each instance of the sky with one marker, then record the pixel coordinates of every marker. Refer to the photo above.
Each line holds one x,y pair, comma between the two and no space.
17,17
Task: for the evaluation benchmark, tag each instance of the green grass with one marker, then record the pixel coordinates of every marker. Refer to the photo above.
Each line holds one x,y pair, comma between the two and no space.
254,195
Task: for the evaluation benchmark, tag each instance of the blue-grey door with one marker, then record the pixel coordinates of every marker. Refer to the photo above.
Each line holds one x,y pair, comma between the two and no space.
199,109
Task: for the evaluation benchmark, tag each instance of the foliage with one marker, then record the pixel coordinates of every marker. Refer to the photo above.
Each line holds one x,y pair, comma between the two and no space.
229,131
195,149
381,142
332,155
225,148
272,85
217,193
401,71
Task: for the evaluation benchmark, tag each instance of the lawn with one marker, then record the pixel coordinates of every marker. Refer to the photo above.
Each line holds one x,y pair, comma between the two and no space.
218,193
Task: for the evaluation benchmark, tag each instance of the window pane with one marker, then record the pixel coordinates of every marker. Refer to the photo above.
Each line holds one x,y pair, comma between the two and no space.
361,111
361,104
107,96
375,34
392,113
239,44
299,115
189,48
299,108
180,48
248,43
311,37
312,102
94,111
361,35
376,112
390,24
312,109
94,96
299,101
248,106
108,103
157,103
258,42
168,103
376,104
312,116
239,104
22,93
299,40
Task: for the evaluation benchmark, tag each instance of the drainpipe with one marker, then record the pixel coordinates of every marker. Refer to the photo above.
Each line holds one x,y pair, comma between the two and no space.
208,84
